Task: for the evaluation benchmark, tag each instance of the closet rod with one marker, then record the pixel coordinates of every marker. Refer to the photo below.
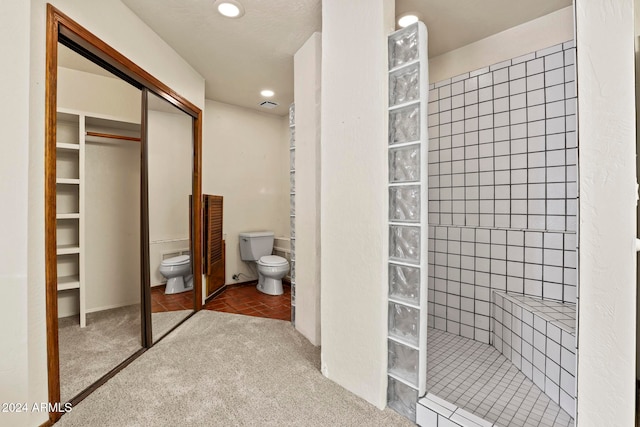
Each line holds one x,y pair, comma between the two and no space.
112,136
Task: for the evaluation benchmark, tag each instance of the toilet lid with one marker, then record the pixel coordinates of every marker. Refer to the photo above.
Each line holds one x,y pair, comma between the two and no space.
272,260
176,260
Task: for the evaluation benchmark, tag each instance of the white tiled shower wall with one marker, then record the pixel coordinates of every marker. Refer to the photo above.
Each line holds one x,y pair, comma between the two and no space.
502,188
467,264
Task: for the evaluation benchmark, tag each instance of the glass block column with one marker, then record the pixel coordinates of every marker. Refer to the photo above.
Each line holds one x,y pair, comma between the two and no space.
408,226
292,206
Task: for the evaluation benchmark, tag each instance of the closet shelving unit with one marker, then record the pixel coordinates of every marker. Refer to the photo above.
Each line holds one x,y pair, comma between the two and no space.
70,205
74,130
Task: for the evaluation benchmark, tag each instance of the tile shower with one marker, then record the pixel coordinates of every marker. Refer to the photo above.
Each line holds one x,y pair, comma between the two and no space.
502,246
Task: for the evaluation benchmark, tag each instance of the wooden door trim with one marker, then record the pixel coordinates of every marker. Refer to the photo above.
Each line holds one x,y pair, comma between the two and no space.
91,44
51,268
59,27
197,216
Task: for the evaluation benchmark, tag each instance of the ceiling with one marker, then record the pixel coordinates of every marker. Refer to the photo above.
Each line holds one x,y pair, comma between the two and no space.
237,57
240,57
455,23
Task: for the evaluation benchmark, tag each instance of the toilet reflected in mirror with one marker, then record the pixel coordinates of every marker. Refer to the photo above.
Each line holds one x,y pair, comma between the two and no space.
170,165
106,139
177,271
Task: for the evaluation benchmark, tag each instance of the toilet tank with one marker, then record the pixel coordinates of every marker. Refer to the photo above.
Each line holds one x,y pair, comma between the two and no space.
255,244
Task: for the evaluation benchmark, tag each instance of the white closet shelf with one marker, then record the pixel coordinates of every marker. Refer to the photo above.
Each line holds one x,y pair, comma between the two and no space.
68,282
67,146
67,249
68,215
71,181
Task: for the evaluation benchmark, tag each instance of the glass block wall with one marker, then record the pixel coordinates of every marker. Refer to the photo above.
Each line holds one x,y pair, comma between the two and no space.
292,205
408,216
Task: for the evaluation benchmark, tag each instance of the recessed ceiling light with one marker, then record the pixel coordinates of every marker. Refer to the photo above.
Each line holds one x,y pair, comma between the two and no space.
267,93
230,8
406,20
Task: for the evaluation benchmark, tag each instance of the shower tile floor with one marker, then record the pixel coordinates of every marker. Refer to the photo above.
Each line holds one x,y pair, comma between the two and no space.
476,377
246,299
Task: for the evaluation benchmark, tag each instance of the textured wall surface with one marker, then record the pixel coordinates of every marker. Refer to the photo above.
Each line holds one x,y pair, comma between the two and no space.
14,164
354,204
607,305
307,63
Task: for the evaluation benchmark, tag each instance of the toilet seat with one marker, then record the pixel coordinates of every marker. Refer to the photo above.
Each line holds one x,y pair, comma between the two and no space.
176,260
272,261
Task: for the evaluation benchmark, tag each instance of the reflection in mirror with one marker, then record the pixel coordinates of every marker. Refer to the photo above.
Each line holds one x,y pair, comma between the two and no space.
98,155
170,166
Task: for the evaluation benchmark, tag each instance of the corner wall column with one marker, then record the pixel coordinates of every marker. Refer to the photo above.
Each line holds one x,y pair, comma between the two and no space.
607,228
354,203
307,74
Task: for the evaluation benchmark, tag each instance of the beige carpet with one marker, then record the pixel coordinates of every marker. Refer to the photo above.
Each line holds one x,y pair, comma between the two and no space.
163,321
109,338
86,354
221,369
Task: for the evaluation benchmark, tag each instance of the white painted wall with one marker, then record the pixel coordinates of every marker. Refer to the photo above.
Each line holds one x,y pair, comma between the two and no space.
15,361
82,91
170,184
353,197
112,214
607,229
307,76
245,158
23,359
549,30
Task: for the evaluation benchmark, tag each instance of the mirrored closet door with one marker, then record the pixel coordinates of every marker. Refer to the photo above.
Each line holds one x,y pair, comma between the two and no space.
123,210
169,151
98,226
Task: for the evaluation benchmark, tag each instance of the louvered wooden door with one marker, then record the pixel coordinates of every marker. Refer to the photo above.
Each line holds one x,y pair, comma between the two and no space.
214,247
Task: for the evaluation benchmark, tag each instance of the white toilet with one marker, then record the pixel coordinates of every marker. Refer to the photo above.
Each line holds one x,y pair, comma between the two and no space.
177,270
256,246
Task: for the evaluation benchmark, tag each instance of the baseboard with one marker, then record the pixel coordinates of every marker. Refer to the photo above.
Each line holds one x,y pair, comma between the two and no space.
110,307
233,285
247,283
254,282
229,285
215,293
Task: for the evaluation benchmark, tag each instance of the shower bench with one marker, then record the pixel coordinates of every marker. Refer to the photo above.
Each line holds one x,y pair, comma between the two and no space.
539,337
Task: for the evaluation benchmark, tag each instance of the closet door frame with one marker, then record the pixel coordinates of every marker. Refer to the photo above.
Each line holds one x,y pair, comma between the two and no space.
61,28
